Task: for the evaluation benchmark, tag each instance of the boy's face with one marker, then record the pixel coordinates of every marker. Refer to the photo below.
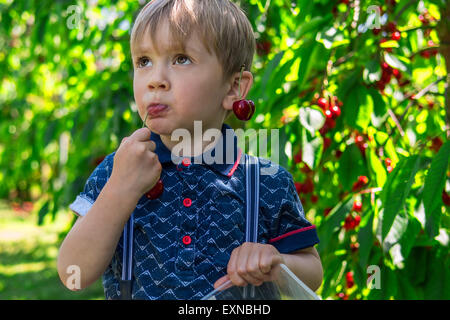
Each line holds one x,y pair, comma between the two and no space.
189,83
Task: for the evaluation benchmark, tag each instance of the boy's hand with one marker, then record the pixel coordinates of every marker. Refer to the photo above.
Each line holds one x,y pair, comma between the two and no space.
251,263
136,167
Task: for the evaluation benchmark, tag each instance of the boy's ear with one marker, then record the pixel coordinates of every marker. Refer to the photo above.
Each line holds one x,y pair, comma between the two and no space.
233,93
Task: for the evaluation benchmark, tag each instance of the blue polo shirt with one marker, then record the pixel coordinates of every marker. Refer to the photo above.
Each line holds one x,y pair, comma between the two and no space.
183,239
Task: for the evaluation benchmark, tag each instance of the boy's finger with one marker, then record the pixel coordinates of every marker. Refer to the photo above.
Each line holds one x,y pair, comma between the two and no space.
243,262
265,263
151,145
253,264
235,278
142,134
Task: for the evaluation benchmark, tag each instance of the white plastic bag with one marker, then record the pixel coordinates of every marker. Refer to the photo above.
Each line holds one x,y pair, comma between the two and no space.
285,286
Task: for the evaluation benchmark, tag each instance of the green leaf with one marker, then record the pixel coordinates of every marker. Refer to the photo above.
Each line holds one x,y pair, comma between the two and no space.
351,165
408,292
358,108
365,239
396,189
314,24
333,221
365,109
434,287
307,53
268,73
379,114
409,236
42,212
377,168
434,184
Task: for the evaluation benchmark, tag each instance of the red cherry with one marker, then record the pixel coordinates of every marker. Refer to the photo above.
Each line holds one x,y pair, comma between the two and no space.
389,169
357,206
156,191
326,143
359,139
328,114
386,67
349,280
445,198
391,27
307,187
298,157
348,225
354,246
314,198
244,109
323,103
343,296
305,168
336,111
436,144
423,19
397,74
330,123
380,86
363,179
357,220
426,54
298,186
263,47
376,31
396,36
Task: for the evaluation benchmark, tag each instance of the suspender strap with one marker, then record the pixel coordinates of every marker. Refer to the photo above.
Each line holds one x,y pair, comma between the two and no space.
127,261
252,198
252,208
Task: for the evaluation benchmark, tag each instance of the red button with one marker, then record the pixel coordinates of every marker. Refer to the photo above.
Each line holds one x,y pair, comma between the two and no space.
187,240
187,202
186,162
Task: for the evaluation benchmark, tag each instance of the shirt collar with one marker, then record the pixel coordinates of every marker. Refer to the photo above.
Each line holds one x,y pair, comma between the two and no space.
227,156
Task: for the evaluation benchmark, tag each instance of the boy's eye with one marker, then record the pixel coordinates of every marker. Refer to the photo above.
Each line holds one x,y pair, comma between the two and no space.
181,59
142,62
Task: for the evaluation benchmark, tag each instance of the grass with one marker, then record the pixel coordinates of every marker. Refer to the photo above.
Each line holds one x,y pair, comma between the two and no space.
28,255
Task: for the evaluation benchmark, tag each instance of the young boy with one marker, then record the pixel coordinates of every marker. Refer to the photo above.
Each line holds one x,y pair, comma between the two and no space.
189,238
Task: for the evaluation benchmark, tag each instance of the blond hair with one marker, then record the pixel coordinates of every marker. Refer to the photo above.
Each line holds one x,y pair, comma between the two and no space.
221,24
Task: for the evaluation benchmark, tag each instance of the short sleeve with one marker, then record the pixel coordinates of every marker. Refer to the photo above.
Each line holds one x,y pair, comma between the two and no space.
290,230
93,186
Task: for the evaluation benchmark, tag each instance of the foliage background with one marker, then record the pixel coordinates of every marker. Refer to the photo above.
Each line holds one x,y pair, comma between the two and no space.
66,101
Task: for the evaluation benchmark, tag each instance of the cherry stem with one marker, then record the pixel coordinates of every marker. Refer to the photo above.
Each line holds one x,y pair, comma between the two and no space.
240,78
145,120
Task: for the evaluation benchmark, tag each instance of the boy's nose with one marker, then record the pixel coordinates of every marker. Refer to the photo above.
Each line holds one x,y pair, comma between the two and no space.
158,84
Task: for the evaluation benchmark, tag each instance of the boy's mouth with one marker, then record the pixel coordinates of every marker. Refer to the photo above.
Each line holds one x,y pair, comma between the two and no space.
156,109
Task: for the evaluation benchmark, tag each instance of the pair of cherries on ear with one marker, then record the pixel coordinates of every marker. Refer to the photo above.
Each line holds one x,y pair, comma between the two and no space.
243,109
